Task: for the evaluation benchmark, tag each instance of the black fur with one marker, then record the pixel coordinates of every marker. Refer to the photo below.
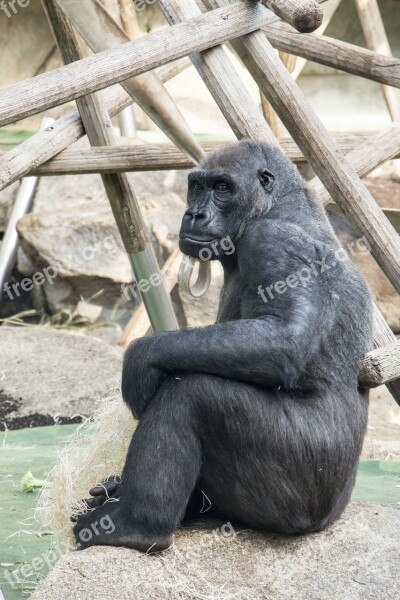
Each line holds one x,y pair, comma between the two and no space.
261,411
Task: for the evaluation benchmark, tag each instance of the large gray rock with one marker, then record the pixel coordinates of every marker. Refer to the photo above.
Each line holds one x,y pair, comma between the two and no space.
52,373
356,559
72,230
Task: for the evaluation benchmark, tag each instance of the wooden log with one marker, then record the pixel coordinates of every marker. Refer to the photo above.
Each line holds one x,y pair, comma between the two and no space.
366,157
375,36
161,157
369,155
383,335
392,214
322,153
222,80
66,130
101,32
381,366
303,15
336,54
125,207
129,19
96,72
329,11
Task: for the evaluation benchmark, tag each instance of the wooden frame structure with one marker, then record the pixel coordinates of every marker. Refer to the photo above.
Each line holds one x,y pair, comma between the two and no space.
197,29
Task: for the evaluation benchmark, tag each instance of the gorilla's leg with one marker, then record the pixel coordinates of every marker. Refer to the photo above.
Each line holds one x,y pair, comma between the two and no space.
237,444
160,474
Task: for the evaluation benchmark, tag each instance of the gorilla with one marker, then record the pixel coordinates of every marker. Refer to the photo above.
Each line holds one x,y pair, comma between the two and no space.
260,413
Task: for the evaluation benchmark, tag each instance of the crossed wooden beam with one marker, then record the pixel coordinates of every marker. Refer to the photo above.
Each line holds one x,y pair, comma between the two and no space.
143,65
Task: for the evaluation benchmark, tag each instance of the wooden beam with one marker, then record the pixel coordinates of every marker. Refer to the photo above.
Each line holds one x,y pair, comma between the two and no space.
161,157
381,366
329,11
365,158
375,36
42,146
336,54
94,73
303,15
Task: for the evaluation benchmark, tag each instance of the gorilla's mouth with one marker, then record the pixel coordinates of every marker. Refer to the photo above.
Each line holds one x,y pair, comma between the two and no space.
196,247
198,241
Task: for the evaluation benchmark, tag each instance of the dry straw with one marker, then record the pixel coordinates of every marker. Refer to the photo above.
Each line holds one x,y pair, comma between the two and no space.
97,449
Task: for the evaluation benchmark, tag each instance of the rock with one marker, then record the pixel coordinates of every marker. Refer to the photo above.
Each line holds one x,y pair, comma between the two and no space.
355,559
72,231
382,440
47,373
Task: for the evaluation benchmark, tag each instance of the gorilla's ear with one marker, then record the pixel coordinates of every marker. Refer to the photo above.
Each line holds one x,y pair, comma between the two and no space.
267,180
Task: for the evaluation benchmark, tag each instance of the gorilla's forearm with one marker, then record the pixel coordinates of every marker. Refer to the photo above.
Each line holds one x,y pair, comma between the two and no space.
256,351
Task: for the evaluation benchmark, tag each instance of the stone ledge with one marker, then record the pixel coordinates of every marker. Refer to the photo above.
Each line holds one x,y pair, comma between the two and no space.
356,559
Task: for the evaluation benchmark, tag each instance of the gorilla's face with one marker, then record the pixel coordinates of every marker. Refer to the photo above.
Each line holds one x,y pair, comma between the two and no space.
213,203
223,196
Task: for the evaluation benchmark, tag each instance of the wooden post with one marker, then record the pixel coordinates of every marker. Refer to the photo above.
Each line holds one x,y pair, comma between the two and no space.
329,11
129,19
381,147
161,157
375,36
124,205
303,15
101,32
381,365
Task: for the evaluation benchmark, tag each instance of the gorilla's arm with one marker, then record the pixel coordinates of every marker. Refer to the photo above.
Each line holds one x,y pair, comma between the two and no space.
269,350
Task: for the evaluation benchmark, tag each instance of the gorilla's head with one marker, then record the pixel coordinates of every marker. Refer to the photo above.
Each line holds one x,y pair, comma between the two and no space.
230,188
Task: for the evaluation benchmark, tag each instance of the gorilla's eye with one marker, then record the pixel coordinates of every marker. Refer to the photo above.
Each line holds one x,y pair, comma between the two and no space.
222,187
197,186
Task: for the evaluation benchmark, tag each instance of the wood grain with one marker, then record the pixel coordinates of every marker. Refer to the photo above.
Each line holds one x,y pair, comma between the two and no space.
381,365
303,15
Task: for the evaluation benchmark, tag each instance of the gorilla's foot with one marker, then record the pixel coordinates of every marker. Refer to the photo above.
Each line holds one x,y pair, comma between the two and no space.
107,526
109,488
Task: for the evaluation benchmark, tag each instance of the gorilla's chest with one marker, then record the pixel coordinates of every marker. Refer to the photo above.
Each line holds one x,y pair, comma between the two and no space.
231,299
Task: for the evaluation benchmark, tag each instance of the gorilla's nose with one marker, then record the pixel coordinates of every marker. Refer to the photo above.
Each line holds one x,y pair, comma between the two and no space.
199,217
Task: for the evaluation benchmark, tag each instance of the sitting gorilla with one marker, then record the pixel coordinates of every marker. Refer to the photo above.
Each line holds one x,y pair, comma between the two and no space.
261,412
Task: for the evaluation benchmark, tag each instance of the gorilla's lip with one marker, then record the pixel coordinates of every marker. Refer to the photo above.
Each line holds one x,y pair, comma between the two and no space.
197,241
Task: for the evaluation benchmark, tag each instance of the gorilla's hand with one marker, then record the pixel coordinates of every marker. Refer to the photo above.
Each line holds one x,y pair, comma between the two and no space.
140,378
